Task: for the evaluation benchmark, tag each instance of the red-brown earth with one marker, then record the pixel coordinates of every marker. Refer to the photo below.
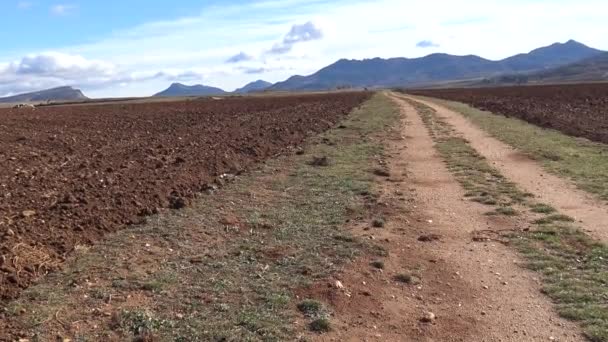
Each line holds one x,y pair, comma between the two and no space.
71,174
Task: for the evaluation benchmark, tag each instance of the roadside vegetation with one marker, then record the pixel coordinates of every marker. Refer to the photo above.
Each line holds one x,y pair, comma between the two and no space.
573,265
583,161
227,268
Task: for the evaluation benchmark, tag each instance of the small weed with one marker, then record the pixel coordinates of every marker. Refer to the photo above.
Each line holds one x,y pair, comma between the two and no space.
378,223
250,321
378,250
507,211
382,172
100,294
319,161
485,200
406,279
320,325
378,264
550,155
541,208
140,323
311,308
554,218
152,286
345,238
277,300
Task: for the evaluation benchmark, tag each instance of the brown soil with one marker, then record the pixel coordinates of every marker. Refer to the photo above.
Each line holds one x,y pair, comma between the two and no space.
531,177
578,109
477,290
71,174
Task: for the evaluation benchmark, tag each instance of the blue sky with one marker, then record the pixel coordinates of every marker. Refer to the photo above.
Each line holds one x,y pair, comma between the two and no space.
137,47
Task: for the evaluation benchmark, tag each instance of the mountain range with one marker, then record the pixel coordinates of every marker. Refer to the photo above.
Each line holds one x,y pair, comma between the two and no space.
440,68
434,68
54,94
560,62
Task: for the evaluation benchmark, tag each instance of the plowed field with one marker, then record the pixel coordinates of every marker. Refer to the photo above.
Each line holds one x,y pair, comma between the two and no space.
71,174
579,110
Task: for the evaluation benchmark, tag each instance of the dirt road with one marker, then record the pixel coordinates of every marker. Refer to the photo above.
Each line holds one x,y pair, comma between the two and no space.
530,176
476,291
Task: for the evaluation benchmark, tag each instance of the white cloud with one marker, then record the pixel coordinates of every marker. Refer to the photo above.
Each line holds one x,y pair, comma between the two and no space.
298,34
426,44
303,33
62,9
61,65
240,57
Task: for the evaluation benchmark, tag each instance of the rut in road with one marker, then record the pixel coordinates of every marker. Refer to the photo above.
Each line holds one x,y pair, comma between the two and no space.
530,176
478,291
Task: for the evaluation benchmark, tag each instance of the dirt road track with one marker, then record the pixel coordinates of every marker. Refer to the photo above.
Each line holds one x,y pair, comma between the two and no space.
478,291
531,177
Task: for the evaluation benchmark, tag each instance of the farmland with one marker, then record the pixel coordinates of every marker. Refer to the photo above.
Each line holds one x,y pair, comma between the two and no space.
580,110
71,174
388,200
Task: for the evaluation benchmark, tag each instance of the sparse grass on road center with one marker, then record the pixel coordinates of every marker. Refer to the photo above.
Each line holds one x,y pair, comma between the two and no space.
582,161
227,268
574,267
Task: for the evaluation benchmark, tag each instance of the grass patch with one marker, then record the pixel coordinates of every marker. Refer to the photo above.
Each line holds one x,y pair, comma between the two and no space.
140,323
312,308
320,325
574,267
582,161
554,218
575,274
506,211
542,208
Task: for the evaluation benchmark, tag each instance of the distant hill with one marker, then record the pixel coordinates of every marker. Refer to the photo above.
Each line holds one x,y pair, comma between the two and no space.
594,69
590,69
55,94
551,56
178,89
258,85
434,68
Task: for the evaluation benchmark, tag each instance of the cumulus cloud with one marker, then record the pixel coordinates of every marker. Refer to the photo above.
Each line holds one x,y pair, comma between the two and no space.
303,33
240,57
426,44
54,69
61,65
298,34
